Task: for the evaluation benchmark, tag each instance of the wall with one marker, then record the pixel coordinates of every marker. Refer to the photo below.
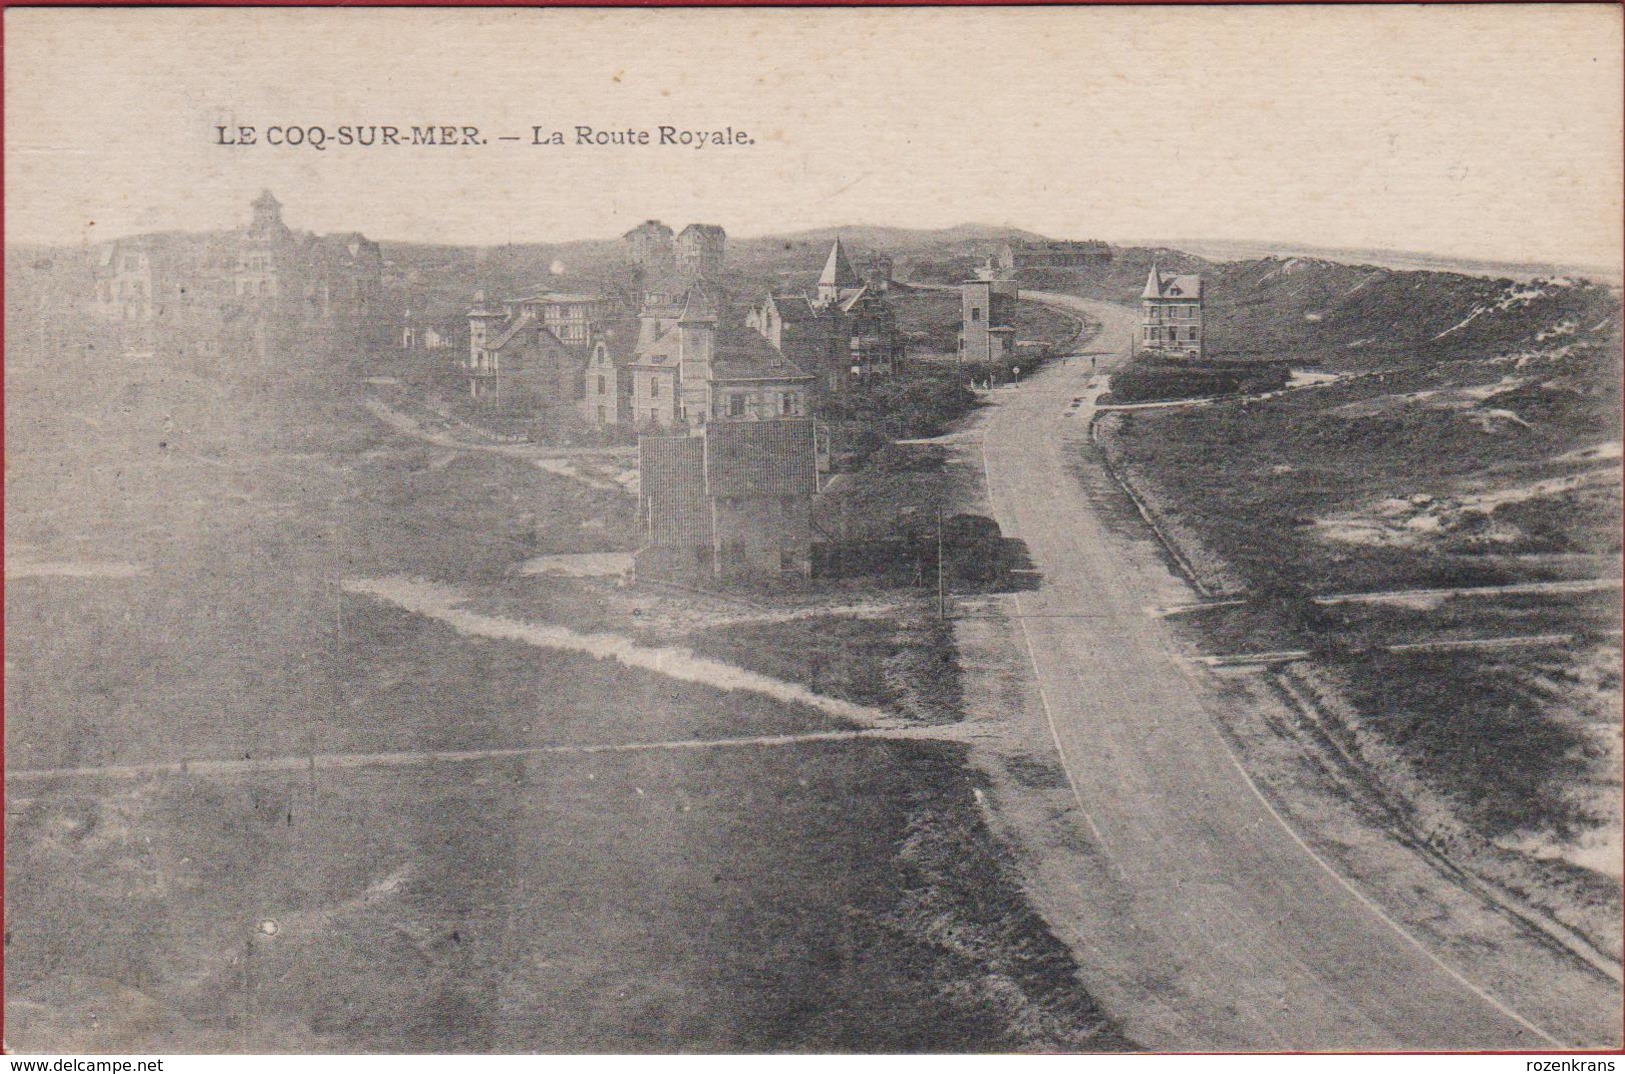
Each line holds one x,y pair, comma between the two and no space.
760,537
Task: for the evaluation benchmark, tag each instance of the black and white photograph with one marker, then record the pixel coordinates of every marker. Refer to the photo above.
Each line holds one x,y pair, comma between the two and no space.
877,531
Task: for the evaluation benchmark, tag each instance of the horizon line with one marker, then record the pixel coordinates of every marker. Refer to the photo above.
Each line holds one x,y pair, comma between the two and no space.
1261,248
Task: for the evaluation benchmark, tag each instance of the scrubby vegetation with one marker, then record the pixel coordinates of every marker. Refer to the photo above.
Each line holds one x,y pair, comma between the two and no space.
912,670
1482,736
1152,380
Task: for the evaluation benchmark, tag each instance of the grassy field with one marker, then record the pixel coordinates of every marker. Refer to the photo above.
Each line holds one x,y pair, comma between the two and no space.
823,896
778,899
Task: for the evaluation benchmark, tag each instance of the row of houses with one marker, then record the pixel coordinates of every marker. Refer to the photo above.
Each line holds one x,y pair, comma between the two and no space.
686,353
1048,253
722,393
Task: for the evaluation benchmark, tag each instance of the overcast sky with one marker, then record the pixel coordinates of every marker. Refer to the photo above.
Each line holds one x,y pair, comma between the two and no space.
1486,131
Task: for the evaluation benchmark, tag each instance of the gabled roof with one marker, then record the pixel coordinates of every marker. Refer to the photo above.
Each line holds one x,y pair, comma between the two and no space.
1167,285
742,354
663,351
705,229
793,307
760,458
620,334
519,324
838,271
672,489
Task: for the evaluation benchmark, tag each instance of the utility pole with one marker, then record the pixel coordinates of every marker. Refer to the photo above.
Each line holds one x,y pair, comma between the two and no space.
942,597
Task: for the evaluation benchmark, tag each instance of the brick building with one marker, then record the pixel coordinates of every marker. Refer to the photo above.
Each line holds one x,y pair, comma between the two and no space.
700,369
652,247
731,500
727,451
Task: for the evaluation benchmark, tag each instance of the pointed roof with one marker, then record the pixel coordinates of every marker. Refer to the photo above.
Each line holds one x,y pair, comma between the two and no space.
522,322
698,306
266,200
1159,285
838,271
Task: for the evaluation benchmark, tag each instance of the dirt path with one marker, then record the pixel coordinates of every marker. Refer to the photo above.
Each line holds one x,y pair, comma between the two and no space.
1210,922
560,461
444,604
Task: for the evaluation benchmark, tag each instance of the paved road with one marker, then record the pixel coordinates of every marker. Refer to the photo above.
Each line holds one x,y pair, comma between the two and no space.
1227,932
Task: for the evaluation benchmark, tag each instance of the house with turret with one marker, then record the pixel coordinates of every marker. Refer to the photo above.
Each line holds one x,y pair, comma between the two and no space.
844,334
726,452
1171,315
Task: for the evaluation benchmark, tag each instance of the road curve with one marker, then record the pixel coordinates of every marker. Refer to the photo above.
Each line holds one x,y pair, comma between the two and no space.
1226,931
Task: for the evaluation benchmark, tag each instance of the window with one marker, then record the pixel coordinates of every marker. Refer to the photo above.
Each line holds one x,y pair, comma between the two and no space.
736,406
602,416
975,314
601,390
654,387
788,403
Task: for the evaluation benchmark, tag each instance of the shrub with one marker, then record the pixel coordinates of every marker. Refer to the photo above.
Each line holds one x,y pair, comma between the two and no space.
1150,380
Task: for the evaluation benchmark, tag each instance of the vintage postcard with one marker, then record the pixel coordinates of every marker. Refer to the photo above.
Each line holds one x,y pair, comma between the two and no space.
846,530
